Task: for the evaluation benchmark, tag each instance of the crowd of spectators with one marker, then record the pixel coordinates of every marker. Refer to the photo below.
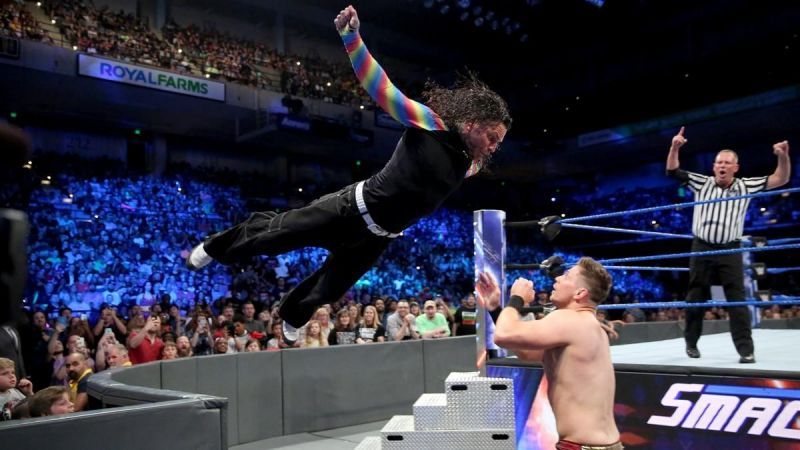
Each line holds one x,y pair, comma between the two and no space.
100,235
192,50
108,287
118,34
256,64
18,22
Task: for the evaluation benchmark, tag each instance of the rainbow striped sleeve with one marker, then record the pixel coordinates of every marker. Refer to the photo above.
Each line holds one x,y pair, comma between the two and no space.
373,78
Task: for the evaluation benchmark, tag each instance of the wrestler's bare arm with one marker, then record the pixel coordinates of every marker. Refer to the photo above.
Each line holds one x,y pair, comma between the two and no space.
530,355
550,332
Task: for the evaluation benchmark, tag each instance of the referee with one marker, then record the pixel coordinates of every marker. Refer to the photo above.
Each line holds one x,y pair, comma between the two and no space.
718,226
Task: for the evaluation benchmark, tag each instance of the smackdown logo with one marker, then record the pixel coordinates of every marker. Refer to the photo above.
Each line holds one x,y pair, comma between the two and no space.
731,409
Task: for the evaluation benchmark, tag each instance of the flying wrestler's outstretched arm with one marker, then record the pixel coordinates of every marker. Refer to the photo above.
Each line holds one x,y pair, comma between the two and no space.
374,79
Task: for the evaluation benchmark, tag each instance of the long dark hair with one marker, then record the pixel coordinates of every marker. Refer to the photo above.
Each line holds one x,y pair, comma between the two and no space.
469,100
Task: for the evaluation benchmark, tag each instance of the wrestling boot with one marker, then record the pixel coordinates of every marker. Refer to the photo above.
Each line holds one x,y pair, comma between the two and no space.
289,333
747,359
692,352
198,258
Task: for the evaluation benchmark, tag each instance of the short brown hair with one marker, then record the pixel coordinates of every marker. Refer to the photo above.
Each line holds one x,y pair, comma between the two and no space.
42,401
598,280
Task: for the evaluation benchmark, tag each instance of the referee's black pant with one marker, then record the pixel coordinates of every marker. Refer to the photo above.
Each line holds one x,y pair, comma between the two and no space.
332,222
730,270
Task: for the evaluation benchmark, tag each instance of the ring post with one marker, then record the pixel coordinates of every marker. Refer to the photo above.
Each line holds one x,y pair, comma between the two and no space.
490,254
750,288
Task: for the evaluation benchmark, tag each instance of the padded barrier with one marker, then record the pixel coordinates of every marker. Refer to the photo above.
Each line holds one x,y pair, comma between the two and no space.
443,356
211,402
217,376
780,324
345,385
185,424
260,396
178,375
145,375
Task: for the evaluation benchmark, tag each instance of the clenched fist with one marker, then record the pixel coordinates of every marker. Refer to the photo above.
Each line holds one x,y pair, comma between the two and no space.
347,16
781,148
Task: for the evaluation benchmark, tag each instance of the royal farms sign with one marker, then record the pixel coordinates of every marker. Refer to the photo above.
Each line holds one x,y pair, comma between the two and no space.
108,69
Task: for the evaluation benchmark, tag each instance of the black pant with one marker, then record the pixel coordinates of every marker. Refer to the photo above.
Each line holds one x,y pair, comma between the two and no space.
730,270
331,222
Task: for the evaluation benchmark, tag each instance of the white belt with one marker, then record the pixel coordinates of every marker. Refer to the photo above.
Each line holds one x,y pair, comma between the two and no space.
371,225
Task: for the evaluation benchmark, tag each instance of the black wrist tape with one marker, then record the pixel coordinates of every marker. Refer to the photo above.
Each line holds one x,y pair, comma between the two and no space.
516,302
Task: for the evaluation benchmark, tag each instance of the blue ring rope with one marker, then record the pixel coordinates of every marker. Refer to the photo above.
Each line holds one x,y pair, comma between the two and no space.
706,253
783,241
677,205
708,304
624,230
774,270
782,269
653,268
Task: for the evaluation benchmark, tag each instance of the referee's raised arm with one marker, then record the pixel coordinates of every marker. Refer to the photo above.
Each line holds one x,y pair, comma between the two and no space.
784,169
673,161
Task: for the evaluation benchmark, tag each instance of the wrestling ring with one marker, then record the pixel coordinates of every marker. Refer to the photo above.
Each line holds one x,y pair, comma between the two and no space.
664,398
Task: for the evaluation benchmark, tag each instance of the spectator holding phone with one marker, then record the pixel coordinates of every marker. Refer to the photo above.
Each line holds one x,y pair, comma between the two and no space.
109,322
79,326
200,338
59,333
101,355
58,372
145,345
77,344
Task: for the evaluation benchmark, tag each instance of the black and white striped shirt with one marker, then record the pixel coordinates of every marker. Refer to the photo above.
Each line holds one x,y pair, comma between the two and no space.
720,222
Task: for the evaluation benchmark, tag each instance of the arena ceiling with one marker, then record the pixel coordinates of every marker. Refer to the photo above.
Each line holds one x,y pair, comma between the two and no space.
580,67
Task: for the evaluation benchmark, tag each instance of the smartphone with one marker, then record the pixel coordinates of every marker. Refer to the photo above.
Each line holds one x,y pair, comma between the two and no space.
62,320
84,316
109,331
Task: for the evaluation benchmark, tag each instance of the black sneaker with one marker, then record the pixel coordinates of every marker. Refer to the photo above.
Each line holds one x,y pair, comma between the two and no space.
692,352
747,359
